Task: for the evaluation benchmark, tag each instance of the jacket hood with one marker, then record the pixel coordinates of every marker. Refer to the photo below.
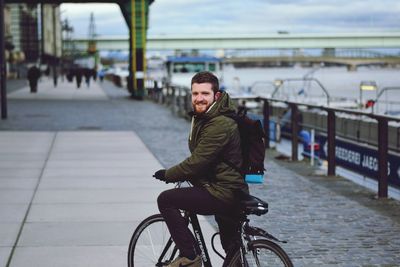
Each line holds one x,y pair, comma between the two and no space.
223,106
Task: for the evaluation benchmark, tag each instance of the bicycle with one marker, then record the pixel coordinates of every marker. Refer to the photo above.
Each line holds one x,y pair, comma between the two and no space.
152,245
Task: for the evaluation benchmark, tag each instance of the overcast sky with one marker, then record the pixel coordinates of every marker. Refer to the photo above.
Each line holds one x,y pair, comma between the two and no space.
191,17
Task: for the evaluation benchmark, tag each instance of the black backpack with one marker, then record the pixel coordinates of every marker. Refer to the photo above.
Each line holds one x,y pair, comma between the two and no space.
252,139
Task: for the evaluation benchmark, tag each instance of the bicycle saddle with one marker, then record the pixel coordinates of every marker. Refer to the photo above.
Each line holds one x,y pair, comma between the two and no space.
253,205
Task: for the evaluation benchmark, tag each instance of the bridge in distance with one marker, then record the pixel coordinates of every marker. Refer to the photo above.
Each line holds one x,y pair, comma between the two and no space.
270,41
328,42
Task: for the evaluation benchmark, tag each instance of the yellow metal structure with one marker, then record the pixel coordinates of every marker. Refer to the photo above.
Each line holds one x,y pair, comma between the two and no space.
138,23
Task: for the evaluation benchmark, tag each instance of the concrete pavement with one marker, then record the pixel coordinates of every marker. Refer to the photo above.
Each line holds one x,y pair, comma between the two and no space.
79,202
63,91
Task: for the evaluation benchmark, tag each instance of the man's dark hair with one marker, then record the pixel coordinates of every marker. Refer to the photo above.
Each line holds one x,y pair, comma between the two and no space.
206,77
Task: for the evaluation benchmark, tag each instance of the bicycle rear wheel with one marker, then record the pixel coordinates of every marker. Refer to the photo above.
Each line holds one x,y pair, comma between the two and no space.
261,253
151,244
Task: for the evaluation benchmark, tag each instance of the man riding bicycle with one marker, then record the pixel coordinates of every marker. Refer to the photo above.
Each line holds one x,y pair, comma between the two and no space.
214,143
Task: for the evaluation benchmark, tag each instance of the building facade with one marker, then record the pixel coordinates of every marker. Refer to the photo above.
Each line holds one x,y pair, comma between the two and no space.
51,34
32,35
24,32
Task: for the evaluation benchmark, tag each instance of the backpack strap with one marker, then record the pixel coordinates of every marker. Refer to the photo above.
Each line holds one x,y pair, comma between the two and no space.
230,164
234,117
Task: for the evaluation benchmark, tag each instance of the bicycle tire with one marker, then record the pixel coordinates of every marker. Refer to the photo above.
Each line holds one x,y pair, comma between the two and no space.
148,241
261,253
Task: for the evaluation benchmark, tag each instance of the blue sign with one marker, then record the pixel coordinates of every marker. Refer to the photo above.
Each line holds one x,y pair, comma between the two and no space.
361,159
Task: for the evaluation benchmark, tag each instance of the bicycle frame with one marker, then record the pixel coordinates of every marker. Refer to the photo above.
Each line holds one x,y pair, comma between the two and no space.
198,235
160,259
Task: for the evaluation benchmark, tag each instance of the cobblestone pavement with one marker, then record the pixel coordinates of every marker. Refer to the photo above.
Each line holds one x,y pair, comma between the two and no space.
327,221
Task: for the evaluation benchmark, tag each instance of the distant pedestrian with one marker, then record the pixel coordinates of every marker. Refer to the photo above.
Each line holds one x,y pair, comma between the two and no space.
78,76
62,73
47,71
94,74
88,74
33,77
101,75
70,75
55,76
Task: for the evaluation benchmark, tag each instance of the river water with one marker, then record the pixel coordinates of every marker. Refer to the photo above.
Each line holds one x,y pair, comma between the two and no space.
338,82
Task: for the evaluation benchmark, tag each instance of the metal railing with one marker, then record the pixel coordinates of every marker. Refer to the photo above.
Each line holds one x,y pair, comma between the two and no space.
280,83
179,98
385,90
331,133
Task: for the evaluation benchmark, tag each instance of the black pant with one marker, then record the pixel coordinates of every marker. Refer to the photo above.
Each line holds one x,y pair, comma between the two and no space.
199,201
33,85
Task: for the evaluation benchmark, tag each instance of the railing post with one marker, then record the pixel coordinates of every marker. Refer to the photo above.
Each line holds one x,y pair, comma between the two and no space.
173,100
331,143
185,103
188,101
382,157
164,92
295,131
168,96
266,122
179,101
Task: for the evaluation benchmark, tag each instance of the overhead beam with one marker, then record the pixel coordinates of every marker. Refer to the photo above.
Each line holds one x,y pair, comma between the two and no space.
272,41
290,41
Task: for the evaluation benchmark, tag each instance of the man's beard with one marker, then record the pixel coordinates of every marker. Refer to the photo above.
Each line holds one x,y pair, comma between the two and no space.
202,108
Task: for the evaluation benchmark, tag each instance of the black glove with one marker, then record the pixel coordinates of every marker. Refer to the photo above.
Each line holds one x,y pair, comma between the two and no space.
160,175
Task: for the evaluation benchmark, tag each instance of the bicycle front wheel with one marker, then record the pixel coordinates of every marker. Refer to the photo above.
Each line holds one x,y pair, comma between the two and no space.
151,244
261,253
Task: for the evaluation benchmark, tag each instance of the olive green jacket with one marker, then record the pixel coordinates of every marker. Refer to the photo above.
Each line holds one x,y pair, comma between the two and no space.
213,139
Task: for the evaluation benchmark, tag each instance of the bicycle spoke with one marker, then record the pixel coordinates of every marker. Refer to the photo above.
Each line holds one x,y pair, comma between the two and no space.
151,242
151,245
263,257
262,253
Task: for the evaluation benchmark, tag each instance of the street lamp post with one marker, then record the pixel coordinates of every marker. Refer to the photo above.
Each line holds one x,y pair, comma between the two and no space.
3,90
